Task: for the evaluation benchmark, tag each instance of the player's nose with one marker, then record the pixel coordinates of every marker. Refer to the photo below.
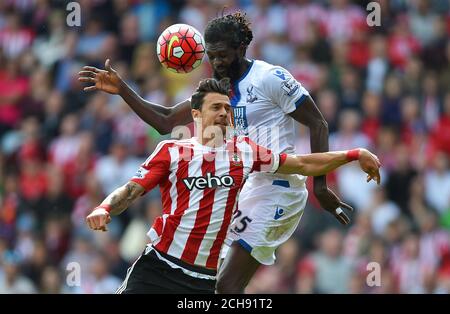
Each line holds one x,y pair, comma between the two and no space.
223,112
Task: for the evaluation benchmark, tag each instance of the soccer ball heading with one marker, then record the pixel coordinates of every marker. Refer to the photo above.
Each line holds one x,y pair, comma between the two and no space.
180,48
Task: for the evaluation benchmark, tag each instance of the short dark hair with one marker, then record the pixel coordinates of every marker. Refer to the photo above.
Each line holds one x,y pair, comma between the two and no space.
234,29
209,85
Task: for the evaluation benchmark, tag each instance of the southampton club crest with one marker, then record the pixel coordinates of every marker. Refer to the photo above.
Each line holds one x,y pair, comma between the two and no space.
236,160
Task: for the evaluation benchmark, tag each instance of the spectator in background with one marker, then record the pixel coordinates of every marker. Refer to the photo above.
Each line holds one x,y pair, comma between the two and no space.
328,104
302,16
423,21
282,277
431,99
65,147
350,93
116,167
129,36
12,281
377,65
359,236
51,281
97,118
13,88
305,70
53,113
391,109
196,13
412,76
75,171
409,268
14,37
49,48
437,183
100,281
402,44
401,177
91,41
382,211
434,241
151,15
332,269
370,125
56,203
341,20
439,138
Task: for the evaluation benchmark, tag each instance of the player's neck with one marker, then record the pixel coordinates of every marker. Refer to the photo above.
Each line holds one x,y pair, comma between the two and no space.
210,142
243,68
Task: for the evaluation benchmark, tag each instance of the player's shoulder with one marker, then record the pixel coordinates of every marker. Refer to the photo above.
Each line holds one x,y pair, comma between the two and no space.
269,73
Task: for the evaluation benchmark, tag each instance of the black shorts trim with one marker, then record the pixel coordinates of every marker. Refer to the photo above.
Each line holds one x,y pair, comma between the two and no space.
150,275
194,268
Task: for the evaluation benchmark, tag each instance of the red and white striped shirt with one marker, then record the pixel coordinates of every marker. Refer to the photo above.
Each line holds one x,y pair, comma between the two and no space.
199,187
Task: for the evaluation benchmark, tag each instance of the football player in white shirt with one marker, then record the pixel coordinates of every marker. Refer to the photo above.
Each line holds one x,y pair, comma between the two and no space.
266,101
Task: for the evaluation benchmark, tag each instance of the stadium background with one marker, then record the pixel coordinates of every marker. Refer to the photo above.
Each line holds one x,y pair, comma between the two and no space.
62,150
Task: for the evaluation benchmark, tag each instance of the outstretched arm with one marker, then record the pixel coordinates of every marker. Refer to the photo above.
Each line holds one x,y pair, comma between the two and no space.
162,118
322,163
309,114
114,204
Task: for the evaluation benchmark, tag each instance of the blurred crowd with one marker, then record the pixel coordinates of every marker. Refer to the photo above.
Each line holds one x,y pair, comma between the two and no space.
62,150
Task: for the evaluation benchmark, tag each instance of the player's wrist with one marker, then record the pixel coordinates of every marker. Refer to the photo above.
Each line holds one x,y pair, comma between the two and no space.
353,154
122,87
104,206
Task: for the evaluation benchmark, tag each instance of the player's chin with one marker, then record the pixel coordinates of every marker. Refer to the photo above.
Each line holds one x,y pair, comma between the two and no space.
222,126
220,74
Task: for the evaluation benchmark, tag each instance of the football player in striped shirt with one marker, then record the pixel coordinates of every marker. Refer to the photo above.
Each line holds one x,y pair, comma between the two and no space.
200,179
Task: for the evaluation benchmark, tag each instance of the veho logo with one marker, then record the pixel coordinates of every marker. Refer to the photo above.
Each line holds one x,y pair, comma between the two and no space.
210,182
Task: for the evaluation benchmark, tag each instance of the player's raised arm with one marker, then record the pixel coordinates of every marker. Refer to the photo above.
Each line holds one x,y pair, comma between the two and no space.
162,118
114,204
322,163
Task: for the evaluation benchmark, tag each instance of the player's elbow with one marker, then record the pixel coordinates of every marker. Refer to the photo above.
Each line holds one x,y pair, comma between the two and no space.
166,125
321,124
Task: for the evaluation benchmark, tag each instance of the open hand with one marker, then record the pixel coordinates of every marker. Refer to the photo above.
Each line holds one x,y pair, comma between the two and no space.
107,80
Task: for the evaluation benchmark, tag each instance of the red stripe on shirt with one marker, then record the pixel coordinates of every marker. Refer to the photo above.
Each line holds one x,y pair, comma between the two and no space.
203,215
173,221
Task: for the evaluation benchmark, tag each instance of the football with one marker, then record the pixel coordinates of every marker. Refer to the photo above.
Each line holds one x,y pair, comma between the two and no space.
180,48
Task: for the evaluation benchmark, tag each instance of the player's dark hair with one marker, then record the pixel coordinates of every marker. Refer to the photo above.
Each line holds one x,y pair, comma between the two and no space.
233,29
209,85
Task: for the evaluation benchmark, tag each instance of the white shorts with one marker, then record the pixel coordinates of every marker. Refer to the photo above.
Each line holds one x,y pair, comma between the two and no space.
269,210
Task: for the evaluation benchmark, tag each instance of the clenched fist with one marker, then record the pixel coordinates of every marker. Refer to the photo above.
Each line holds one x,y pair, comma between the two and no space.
98,219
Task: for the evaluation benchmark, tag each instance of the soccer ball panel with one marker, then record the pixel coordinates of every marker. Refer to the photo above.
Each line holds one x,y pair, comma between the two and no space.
178,52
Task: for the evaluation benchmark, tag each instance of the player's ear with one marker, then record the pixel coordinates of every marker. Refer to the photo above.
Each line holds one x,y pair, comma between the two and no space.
196,114
241,50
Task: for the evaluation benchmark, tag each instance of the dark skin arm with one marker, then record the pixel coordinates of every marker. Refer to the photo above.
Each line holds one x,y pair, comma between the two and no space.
162,118
309,115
